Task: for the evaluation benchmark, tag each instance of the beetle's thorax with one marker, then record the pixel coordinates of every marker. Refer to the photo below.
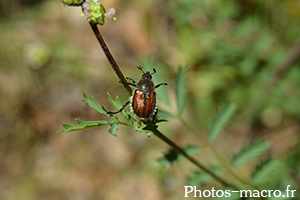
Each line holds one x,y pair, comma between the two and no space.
146,85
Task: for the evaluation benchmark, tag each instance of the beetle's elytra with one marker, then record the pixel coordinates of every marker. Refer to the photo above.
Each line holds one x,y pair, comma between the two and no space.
143,105
143,100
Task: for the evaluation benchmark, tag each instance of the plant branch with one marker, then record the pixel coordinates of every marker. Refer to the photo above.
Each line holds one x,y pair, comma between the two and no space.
217,155
110,58
191,159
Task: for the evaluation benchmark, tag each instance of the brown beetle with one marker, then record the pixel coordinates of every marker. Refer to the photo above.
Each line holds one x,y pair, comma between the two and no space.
143,100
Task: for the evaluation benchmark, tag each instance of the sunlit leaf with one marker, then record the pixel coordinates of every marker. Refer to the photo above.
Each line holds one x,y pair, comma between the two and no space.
113,128
116,103
92,103
95,105
82,125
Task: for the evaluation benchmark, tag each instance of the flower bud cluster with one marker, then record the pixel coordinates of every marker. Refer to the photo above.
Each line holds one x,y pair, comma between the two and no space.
95,12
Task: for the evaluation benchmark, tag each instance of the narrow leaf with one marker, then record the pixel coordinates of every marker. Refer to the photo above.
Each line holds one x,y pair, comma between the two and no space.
164,115
172,156
116,103
253,150
264,172
92,103
191,150
181,90
82,125
202,178
220,120
95,105
139,127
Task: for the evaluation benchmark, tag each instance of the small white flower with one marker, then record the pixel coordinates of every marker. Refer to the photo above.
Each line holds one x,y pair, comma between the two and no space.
110,14
85,5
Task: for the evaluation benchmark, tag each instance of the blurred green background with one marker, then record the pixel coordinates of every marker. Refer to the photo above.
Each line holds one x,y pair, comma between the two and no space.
235,51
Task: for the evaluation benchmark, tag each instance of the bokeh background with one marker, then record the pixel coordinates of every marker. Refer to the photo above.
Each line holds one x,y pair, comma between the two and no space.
236,51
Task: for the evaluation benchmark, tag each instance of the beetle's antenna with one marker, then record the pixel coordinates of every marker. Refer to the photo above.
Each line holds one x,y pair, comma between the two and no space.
154,71
141,68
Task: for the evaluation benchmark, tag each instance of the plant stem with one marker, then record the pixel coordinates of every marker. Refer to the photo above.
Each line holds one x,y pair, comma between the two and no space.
152,126
110,58
217,155
191,159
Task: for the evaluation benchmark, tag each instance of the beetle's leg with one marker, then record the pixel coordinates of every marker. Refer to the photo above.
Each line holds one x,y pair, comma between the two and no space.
160,85
126,83
124,106
131,80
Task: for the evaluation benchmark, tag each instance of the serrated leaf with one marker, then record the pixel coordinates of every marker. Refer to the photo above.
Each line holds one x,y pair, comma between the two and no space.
82,125
181,90
251,151
139,127
172,156
92,103
95,105
202,178
113,128
264,171
220,120
116,103
162,90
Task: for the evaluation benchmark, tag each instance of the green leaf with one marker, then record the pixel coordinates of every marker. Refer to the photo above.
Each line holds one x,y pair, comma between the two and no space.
220,120
264,172
139,127
161,92
93,103
164,115
202,178
116,103
251,151
191,150
113,128
172,156
82,125
181,90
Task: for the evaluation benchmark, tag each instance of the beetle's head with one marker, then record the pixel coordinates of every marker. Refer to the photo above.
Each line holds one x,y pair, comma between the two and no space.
146,75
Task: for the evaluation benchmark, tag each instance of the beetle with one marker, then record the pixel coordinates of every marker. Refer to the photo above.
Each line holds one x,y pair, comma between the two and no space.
143,102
